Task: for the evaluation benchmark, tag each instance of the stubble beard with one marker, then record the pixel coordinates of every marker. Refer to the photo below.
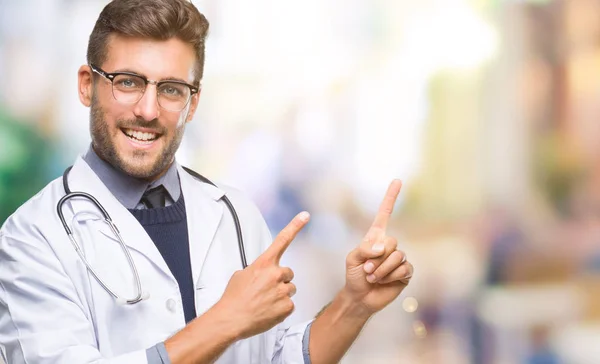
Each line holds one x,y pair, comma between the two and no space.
136,165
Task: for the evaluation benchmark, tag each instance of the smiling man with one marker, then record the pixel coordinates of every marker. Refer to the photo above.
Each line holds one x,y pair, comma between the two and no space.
131,258
135,134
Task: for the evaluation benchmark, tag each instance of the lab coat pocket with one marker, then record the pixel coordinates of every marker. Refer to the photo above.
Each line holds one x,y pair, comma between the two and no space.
206,296
213,279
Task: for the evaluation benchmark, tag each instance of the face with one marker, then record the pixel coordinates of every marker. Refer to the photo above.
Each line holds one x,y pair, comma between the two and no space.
139,139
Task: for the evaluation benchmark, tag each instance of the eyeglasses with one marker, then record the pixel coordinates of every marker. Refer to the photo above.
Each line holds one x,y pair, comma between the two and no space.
129,87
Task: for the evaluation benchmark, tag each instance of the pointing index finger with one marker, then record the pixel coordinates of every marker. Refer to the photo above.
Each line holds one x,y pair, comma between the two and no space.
387,205
285,237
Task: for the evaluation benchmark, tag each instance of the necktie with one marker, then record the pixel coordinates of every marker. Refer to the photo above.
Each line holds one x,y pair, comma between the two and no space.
154,197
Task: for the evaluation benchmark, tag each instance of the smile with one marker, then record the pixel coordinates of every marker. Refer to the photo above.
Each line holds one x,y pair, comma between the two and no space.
139,136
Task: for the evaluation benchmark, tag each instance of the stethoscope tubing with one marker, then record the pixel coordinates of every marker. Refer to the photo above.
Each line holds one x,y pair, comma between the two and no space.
139,292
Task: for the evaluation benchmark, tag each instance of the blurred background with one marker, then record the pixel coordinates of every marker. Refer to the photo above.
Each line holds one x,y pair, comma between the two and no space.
486,109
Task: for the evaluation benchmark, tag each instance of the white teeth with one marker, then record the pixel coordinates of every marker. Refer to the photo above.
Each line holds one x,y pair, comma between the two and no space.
140,135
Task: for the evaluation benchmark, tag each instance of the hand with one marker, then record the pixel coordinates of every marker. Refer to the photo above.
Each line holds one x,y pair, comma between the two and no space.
259,297
376,273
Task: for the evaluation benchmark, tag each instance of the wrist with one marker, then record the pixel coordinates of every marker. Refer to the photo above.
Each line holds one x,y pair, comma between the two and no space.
351,307
203,339
230,326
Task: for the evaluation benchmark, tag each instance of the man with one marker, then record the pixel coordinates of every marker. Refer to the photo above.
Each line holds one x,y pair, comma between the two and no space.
165,285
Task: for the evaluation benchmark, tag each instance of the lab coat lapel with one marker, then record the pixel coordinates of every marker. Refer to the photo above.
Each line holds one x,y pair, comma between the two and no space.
82,178
204,214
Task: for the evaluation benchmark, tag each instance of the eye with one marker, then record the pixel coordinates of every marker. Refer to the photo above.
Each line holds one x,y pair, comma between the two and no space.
173,90
128,82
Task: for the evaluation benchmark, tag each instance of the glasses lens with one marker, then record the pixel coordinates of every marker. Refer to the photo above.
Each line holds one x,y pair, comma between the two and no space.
173,96
128,89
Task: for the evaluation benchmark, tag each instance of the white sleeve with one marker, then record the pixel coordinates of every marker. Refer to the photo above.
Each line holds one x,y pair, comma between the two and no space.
288,345
291,346
42,319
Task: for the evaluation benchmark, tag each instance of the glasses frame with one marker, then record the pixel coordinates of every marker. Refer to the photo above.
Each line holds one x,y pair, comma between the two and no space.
110,76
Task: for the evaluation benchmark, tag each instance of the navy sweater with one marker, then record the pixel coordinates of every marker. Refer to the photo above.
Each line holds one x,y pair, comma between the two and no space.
167,227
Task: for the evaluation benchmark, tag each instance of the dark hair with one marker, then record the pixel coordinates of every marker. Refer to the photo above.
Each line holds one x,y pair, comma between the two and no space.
155,19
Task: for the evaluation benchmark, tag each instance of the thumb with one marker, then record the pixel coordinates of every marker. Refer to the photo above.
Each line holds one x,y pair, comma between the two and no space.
364,252
285,237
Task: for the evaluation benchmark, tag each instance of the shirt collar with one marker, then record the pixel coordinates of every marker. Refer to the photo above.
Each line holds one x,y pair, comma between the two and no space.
127,189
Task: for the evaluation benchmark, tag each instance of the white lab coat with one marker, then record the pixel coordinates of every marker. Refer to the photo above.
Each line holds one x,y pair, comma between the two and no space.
53,311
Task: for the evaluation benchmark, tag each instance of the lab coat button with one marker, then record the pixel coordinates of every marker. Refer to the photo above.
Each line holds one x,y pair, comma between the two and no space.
171,305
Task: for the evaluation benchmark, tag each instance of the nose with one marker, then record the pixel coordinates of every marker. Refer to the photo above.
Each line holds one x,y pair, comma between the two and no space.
147,108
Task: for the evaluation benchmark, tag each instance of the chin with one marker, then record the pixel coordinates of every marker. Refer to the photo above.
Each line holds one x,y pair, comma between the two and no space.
144,170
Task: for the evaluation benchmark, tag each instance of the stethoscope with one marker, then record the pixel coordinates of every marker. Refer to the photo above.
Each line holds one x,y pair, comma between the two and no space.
140,294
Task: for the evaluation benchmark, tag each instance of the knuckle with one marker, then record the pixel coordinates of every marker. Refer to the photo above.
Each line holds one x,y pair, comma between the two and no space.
282,291
364,250
288,274
349,260
403,272
277,275
376,264
352,256
388,208
289,306
369,237
288,290
381,272
398,255
259,262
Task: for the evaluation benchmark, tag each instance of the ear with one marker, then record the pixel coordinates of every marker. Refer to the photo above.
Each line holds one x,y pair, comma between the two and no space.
85,85
193,105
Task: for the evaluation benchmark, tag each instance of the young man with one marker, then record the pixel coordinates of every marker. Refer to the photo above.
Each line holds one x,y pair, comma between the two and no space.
166,285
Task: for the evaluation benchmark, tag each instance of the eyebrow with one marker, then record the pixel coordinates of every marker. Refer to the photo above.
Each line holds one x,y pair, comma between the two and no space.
170,78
